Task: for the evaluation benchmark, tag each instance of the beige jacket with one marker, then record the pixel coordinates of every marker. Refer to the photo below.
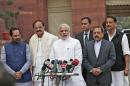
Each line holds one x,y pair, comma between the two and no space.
47,41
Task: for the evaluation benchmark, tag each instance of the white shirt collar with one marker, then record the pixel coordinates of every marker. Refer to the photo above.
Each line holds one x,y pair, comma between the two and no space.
111,37
87,32
97,46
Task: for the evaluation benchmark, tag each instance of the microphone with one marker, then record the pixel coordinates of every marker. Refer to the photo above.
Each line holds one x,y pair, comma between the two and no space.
59,69
75,62
54,68
45,65
44,69
69,65
63,66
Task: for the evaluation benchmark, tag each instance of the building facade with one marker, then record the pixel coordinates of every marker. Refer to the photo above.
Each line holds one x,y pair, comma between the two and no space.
55,12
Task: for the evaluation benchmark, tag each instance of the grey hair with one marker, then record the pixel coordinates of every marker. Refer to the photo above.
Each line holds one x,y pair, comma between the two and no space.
64,25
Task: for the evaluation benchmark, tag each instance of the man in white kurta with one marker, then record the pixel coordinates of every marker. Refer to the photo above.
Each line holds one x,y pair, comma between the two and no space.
67,48
40,44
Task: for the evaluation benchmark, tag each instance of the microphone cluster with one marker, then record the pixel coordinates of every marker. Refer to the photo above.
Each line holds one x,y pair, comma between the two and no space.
61,66
58,68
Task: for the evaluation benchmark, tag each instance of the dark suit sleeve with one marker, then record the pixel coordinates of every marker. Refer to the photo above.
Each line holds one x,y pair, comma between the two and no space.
86,63
111,60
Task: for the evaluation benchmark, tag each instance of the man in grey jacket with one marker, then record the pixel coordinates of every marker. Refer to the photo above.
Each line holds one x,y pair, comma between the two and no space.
98,57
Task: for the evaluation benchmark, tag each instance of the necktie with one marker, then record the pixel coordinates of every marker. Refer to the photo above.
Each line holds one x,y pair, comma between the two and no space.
86,37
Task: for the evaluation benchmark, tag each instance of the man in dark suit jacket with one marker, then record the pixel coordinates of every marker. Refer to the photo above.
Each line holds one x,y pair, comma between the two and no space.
98,57
85,26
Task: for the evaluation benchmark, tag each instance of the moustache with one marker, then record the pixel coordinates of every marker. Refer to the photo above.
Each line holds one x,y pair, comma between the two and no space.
108,26
96,36
39,31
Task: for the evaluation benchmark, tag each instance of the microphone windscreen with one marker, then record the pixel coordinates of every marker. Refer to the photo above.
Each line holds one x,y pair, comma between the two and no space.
48,60
75,62
59,62
65,62
53,61
63,65
50,66
71,60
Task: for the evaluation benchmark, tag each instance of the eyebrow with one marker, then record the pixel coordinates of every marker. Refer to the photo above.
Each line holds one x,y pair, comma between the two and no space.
63,30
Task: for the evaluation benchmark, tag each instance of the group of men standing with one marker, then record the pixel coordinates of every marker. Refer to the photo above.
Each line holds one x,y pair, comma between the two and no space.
103,55
103,63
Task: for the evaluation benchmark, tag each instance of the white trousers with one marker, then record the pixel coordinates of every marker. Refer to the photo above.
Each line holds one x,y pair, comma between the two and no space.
24,84
38,83
118,79
36,70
